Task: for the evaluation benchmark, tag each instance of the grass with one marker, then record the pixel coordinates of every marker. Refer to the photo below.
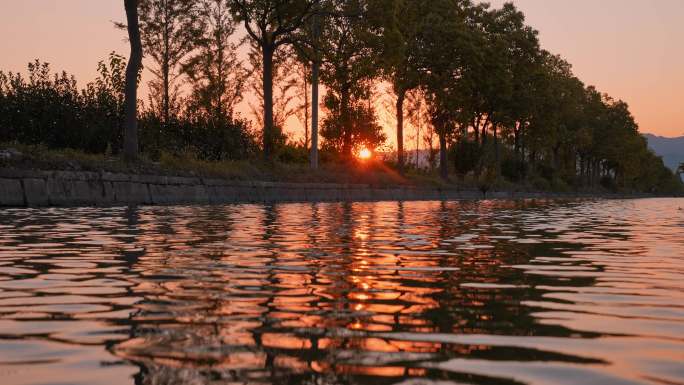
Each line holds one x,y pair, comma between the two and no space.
374,173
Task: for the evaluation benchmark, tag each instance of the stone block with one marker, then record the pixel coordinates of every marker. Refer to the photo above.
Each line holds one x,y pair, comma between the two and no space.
131,193
35,191
222,194
11,193
58,191
176,194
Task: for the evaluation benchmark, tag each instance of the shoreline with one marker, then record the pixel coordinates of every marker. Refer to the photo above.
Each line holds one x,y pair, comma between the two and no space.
32,188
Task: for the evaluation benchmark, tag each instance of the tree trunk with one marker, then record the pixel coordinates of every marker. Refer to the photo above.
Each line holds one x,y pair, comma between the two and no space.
306,110
522,143
166,103
401,96
130,150
166,69
268,136
443,166
495,129
484,131
516,138
314,115
346,123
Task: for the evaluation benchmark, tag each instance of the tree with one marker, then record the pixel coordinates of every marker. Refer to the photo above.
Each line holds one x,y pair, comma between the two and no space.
303,109
284,91
361,123
217,77
271,24
400,22
502,81
348,64
130,147
447,52
169,30
308,47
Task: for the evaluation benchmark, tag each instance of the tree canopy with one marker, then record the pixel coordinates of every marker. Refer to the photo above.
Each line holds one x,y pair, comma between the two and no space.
473,76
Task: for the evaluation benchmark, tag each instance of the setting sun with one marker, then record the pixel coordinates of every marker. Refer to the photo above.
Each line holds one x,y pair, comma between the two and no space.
365,153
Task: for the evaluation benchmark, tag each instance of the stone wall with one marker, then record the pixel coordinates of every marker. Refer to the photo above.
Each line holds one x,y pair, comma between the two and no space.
26,188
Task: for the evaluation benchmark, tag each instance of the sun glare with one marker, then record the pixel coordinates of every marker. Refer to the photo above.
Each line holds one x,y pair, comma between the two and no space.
365,153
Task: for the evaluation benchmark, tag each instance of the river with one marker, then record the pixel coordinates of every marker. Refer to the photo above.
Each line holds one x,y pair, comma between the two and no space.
410,293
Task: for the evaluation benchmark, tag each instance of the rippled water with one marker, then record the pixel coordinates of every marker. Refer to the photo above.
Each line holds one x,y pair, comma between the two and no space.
430,293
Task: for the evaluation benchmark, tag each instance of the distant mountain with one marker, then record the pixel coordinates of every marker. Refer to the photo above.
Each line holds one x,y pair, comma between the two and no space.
671,149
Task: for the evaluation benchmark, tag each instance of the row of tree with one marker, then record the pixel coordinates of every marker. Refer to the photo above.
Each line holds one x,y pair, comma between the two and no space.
472,76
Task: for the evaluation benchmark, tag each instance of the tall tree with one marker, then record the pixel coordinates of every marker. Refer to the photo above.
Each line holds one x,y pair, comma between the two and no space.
361,124
217,76
447,52
400,22
501,91
315,79
308,47
271,24
284,91
304,107
348,64
130,149
169,30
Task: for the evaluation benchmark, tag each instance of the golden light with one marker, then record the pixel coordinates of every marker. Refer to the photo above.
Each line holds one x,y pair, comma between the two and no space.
365,153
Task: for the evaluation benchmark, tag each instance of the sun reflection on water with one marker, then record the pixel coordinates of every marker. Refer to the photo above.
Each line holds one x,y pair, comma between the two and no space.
356,293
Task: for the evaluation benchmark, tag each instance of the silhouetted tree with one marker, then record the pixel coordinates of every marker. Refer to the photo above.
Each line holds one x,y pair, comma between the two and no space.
217,76
400,22
348,65
169,31
271,24
447,53
284,79
130,146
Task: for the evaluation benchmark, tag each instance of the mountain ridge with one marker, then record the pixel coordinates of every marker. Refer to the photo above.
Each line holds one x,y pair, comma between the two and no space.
670,149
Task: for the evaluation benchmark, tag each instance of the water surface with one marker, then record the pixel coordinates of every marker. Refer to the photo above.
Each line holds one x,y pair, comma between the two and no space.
414,293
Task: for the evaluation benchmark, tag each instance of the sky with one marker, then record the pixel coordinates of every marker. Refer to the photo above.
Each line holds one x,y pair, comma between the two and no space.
631,49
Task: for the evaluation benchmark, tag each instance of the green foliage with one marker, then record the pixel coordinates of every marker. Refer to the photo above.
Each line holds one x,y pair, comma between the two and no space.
293,153
509,111
205,137
215,76
361,124
49,109
169,30
347,70
271,25
466,155
513,169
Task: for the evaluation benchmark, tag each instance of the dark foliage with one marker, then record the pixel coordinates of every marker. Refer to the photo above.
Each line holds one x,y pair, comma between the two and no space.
48,109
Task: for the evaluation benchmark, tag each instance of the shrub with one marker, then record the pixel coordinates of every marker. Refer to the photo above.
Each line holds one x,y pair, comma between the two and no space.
513,169
466,156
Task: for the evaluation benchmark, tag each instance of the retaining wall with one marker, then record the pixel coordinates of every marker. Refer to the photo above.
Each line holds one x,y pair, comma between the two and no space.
26,188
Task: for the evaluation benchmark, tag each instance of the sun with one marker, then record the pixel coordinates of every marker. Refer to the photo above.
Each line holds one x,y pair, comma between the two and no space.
365,153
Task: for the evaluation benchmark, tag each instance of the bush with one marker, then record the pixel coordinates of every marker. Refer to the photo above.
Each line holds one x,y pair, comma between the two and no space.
546,171
540,183
290,153
466,156
49,109
608,183
513,169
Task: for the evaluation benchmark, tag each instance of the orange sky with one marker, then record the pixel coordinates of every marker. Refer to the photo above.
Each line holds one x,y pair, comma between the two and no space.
631,49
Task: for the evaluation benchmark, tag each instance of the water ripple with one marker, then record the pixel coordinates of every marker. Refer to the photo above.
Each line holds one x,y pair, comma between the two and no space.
420,293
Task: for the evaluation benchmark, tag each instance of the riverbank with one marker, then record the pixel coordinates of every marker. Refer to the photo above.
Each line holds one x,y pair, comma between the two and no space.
33,188
32,176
